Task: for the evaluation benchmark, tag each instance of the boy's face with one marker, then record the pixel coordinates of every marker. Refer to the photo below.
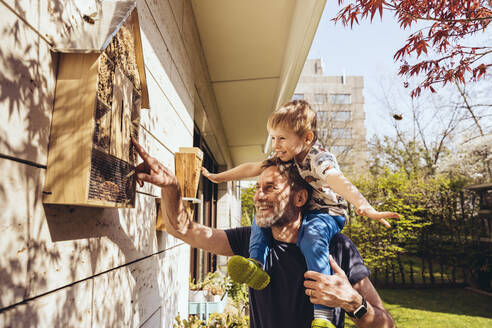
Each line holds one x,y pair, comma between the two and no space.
286,144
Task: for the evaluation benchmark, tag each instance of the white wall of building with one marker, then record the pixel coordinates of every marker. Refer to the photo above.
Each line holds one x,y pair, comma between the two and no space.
87,267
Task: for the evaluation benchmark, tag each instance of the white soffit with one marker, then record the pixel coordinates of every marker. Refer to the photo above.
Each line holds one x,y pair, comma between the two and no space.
255,51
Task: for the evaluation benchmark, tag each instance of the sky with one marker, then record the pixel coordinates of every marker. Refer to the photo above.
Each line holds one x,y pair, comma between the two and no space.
366,50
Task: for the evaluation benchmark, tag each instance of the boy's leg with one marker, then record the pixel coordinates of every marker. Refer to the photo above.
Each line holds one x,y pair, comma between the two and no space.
315,234
259,242
250,270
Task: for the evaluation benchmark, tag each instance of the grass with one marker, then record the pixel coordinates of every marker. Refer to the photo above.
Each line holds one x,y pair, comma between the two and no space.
437,308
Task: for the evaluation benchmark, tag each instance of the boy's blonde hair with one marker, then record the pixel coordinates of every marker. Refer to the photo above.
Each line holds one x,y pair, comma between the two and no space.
297,116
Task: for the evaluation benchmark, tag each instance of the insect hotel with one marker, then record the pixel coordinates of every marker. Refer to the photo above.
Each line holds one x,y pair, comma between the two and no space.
100,90
188,163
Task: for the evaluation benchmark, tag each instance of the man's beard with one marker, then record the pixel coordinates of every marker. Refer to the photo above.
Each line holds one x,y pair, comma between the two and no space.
283,217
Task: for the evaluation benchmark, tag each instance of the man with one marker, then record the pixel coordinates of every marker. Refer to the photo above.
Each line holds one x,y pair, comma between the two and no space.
287,301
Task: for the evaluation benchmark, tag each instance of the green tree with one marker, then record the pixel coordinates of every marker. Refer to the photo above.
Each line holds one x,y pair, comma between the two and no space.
396,192
438,222
248,209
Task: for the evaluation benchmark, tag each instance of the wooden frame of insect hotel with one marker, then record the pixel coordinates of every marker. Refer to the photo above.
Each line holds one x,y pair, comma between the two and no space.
188,163
100,90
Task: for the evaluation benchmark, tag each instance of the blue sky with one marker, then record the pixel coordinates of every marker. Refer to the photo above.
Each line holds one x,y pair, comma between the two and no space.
365,50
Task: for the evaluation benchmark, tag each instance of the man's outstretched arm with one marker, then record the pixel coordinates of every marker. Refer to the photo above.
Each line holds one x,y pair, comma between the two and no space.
336,291
176,218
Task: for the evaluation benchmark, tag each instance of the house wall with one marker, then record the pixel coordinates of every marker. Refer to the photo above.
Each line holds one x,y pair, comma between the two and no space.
78,266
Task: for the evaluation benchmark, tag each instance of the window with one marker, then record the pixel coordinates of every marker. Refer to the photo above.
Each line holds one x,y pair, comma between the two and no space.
340,99
323,134
487,200
341,116
337,150
319,98
298,96
201,261
323,116
341,133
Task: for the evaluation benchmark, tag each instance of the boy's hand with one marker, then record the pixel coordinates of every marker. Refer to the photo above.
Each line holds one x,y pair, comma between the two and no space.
371,213
210,176
151,170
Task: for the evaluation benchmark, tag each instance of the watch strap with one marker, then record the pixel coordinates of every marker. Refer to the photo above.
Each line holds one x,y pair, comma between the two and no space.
360,311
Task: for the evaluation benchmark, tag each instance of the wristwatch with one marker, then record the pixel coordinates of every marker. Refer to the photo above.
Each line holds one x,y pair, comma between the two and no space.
360,311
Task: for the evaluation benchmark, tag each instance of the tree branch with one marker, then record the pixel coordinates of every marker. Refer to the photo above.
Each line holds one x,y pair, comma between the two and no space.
469,108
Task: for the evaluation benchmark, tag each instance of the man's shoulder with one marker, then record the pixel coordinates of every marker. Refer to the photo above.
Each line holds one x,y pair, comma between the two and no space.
347,256
342,241
343,246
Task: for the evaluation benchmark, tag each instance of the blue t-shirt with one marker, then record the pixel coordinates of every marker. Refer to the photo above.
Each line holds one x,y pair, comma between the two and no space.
284,303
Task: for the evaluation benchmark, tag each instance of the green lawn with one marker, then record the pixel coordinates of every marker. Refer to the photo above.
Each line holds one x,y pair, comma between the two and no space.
437,308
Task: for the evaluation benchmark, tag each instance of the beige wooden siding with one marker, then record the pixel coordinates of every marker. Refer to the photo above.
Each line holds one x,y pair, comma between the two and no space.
80,266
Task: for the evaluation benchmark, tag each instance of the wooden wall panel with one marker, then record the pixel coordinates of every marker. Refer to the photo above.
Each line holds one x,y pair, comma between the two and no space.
163,121
151,146
18,192
161,66
52,17
154,321
192,43
49,248
157,150
73,243
129,296
126,297
27,85
173,283
155,50
67,307
31,11
164,18
178,8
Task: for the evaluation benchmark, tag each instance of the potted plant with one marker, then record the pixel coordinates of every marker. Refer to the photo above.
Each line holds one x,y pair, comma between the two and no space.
215,293
196,293
210,289
214,284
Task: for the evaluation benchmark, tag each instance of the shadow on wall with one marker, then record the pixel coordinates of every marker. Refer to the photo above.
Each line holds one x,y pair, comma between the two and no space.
27,72
127,291
26,91
127,281
46,249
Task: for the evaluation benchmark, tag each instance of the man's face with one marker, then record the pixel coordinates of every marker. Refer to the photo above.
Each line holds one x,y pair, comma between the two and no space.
273,199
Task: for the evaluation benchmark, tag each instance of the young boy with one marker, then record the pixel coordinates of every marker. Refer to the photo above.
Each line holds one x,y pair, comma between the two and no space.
292,129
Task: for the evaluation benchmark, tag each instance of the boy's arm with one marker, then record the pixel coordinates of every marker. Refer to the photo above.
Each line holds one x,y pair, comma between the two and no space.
342,186
243,171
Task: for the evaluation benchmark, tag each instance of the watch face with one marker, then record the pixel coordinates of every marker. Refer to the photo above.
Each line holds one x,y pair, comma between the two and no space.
359,313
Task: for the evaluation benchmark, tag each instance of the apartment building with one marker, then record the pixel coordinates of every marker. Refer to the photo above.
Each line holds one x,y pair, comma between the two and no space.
340,106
